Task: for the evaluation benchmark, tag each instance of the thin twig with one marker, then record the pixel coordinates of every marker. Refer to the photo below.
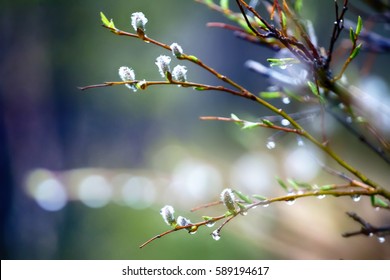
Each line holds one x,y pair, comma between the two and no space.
366,229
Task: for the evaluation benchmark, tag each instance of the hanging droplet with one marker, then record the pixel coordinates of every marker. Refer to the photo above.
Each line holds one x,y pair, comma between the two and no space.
271,145
377,208
290,201
286,100
370,234
265,205
348,119
216,236
381,239
356,197
283,66
244,213
210,224
321,196
300,142
285,122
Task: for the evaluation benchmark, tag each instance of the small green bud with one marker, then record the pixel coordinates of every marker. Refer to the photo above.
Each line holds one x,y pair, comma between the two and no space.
260,197
224,4
270,94
282,184
242,196
267,122
355,51
359,26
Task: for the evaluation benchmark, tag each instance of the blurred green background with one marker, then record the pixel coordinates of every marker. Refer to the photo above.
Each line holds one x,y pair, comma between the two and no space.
84,174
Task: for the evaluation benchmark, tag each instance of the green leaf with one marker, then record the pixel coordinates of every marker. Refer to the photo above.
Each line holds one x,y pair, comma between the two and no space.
293,183
270,94
267,122
282,183
234,117
356,51
207,218
261,23
298,5
200,88
193,58
359,26
224,4
241,206
313,88
249,125
259,197
243,196
280,62
229,213
377,202
352,35
284,20
326,187
106,22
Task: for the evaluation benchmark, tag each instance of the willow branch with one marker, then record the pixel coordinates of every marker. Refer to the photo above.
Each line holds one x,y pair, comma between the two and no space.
337,190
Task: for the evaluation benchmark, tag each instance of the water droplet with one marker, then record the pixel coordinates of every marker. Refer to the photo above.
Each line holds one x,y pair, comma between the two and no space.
283,66
244,213
381,239
321,196
370,234
210,224
285,122
216,236
377,208
271,145
356,197
348,119
286,100
265,205
290,201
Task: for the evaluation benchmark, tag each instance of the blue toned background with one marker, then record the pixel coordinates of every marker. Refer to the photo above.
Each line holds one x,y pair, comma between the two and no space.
85,173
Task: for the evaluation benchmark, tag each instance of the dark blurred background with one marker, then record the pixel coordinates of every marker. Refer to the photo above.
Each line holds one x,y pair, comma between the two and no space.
85,173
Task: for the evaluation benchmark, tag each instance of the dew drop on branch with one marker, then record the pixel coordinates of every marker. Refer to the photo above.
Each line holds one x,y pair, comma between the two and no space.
321,196
356,197
286,100
290,201
285,122
210,224
216,236
271,145
381,239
